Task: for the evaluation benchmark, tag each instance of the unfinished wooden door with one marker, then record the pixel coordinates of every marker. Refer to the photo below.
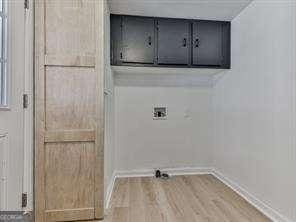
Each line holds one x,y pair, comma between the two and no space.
69,110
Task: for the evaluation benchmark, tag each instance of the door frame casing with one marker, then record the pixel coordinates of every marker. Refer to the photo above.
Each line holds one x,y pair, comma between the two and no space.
28,173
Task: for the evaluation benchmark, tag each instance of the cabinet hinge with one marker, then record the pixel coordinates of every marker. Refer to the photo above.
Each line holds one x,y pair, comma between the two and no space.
24,199
25,101
26,4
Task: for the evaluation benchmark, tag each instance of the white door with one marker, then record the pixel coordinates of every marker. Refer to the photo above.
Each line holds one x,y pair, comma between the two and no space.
12,112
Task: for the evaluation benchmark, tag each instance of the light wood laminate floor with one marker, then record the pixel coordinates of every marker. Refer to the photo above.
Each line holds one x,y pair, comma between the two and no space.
198,198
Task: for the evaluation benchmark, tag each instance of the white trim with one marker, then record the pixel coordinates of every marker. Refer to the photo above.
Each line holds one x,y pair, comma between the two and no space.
134,173
5,108
28,112
110,190
188,171
171,171
268,211
3,170
6,61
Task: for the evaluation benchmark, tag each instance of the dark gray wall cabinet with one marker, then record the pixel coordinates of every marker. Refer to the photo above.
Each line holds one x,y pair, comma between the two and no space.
173,41
207,43
138,40
167,42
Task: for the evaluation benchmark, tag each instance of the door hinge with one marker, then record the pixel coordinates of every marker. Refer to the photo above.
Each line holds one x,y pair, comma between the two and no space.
24,199
26,4
25,101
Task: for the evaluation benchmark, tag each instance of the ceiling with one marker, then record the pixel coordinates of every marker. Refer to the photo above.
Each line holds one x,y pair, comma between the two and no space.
193,9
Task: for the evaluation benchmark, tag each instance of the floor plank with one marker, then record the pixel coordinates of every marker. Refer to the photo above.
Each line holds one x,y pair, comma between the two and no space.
197,198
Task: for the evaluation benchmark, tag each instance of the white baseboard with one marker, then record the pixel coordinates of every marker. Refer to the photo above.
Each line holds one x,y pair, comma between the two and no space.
188,171
171,171
261,206
134,173
271,213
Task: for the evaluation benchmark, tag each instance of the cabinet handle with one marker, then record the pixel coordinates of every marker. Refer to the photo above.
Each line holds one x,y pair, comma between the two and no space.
196,43
184,42
149,40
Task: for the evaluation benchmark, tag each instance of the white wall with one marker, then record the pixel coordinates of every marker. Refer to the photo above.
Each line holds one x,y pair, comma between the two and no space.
109,151
254,106
182,140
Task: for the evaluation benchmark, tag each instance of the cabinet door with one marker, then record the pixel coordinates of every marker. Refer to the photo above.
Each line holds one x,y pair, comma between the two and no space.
173,41
115,50
207,43
138,40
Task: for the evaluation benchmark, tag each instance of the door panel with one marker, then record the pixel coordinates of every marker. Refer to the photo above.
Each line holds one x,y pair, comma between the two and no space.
69,181
207,43
71,106
138,39
70,27
69,110
115,39
226,44
173,41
